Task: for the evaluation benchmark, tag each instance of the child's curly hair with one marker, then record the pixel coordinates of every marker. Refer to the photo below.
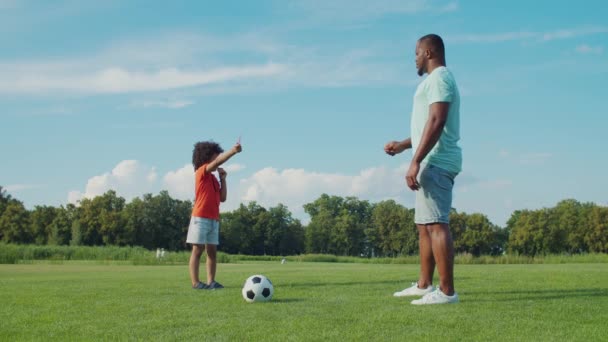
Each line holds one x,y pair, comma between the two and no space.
203,152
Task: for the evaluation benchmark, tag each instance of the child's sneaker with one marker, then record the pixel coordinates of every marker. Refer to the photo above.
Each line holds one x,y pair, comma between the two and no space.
414,290
200,286
215,286
436,297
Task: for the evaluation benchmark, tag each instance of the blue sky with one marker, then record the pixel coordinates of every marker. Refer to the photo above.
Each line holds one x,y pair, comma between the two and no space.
112,95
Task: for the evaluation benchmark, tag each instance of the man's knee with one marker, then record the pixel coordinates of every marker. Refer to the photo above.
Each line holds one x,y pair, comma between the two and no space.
438,228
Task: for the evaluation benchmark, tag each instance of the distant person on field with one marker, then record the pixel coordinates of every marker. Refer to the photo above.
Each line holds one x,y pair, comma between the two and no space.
203,232
435,131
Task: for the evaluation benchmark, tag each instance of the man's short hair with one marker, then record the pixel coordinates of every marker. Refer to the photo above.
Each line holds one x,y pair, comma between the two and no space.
435,42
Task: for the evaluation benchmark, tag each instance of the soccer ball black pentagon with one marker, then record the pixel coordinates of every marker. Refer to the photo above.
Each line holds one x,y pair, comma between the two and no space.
257,288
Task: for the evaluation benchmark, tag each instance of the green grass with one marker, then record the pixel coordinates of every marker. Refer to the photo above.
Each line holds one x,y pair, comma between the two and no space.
313,302
19,254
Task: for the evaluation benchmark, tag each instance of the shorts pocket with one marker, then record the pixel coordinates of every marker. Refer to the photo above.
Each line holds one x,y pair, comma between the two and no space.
442,178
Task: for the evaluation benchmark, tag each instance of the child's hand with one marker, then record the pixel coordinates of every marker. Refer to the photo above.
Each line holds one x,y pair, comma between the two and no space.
222,173
237,148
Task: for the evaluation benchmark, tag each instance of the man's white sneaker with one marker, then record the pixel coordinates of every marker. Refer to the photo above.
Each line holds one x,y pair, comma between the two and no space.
436,297
414,291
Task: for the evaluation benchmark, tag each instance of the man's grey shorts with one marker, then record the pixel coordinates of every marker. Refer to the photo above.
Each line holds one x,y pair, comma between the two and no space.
203,231
434,198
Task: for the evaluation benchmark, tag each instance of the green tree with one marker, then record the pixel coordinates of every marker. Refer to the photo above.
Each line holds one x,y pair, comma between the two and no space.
566,229
529,231
156,222
76,239
278,221
351,225
41,219
479,235
338,226
395,230
292,241
5,199
319,234
15,224
61,226
597,234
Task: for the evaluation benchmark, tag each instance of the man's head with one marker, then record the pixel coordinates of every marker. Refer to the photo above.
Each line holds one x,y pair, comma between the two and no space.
430,52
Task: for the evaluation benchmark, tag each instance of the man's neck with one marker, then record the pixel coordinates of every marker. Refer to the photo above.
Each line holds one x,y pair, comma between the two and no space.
434,66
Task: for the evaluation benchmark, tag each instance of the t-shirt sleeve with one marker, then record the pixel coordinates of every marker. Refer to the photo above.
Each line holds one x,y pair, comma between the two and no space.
440,89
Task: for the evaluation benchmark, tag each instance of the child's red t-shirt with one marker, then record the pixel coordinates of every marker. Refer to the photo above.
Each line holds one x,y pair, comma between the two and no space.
207,192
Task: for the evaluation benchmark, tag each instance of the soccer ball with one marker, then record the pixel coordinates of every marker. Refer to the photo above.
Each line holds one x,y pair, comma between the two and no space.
257,288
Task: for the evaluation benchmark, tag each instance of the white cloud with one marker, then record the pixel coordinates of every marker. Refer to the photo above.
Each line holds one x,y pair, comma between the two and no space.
195,64
129,179
588,49
8,4
451,7
296,187
184,48
535,158
491,37
349,68
356,10
180,183
527,35
167,103
235,167
74,196
496,184
120,80
503,153
573,32
20,187
525,158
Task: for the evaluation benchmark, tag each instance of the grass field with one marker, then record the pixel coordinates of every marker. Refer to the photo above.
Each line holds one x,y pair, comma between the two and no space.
313,302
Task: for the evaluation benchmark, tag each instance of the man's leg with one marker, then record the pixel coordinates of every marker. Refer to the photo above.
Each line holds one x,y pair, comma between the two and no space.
195,259
427,261
443,251
211,262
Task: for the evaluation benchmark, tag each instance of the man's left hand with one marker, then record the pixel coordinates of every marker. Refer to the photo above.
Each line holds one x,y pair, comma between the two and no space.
411,177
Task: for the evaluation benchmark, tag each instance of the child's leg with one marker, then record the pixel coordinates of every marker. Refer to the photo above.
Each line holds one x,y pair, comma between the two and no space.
211,262
195,259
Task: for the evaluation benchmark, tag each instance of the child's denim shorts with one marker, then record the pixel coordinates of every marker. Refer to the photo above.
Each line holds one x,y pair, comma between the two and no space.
203,231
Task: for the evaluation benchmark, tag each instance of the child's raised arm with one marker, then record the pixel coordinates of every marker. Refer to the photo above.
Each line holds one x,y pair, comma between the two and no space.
222,158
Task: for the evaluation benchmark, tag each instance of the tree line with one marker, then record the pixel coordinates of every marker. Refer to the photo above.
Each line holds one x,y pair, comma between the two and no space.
338,225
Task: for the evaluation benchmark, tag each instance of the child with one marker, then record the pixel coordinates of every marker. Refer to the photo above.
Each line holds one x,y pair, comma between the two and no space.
203,232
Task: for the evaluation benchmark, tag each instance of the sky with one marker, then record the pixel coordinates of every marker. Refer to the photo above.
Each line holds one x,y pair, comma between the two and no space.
99,95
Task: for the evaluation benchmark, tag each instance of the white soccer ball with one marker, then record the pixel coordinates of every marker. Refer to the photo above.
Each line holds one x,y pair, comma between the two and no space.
257,288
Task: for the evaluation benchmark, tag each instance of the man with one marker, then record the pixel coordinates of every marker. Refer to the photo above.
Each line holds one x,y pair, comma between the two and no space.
435,125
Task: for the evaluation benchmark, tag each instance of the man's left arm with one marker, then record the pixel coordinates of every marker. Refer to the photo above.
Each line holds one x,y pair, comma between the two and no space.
438,115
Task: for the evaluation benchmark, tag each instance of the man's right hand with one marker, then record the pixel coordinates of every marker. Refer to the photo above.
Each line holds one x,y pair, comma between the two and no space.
393,147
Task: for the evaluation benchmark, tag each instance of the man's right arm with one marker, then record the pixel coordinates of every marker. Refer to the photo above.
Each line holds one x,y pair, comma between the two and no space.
395,147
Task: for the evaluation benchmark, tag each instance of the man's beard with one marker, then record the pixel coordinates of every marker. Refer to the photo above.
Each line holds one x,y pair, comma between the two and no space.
421,71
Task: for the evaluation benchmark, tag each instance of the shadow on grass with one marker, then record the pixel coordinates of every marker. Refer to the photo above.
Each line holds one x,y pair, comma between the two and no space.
547,294
286,300
398,282
339,283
